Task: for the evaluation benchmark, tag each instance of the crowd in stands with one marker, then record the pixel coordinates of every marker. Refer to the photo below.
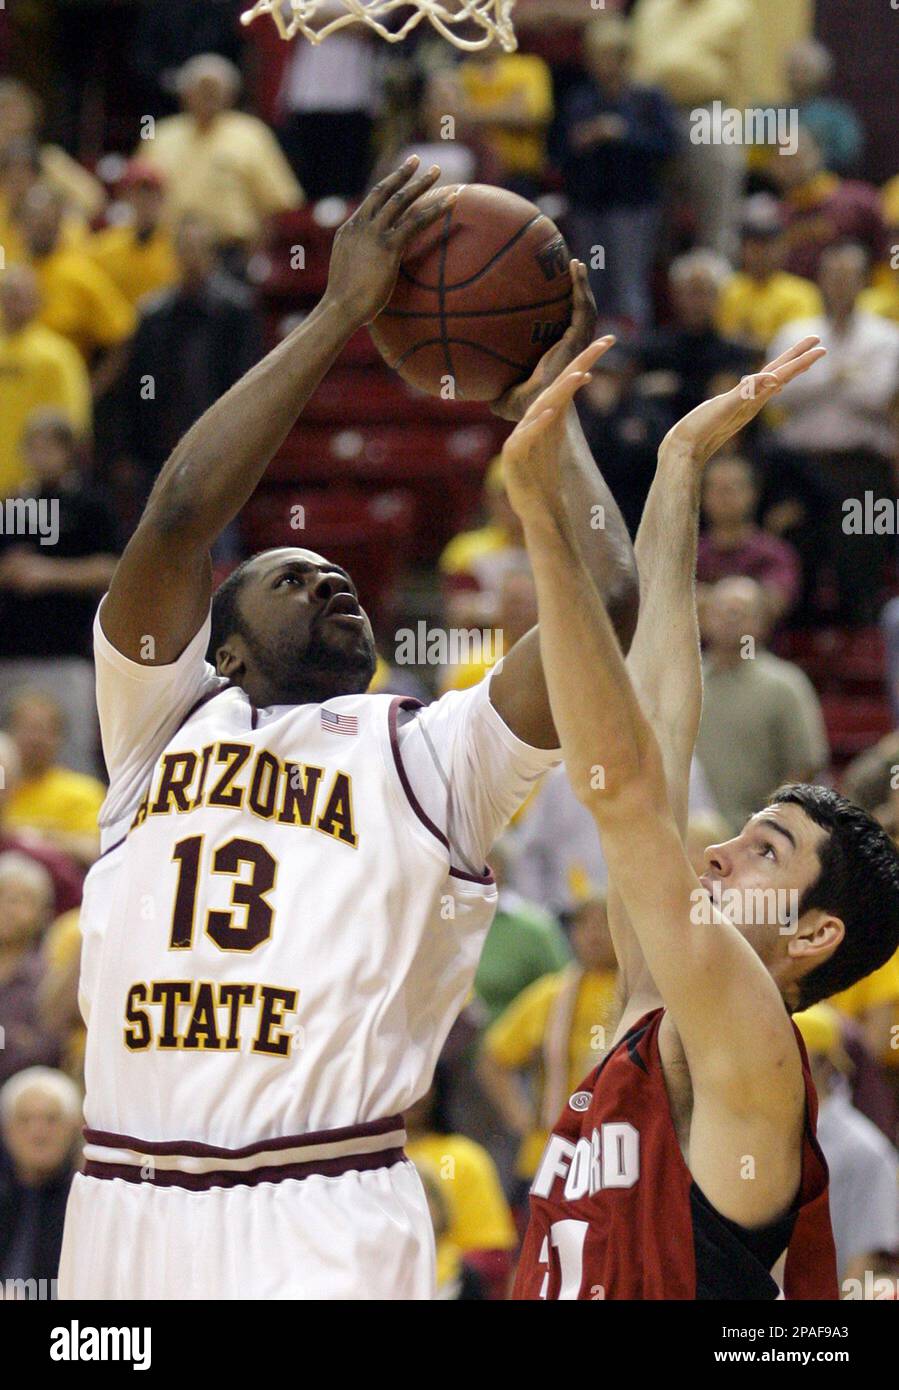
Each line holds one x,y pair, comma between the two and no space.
146,266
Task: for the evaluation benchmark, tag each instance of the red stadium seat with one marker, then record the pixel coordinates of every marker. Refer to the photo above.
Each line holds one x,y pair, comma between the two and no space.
854,723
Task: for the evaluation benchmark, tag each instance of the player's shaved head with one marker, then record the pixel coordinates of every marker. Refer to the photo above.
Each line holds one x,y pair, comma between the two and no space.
287,627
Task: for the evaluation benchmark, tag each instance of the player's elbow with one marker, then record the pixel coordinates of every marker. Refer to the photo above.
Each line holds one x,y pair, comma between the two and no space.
623,786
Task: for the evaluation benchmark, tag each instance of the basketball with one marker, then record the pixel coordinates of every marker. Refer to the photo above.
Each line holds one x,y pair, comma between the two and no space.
479,299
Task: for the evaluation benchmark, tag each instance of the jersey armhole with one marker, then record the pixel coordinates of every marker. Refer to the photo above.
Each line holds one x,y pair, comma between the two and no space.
403,702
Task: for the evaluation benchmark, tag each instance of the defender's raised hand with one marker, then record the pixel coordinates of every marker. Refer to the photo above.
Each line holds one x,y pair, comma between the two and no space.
707,428
531,453
368,248
578,336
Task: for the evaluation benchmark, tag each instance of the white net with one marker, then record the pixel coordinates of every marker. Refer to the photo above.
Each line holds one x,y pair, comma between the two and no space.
456,20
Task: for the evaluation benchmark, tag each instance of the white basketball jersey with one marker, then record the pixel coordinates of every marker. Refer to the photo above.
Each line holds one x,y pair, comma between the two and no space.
279,944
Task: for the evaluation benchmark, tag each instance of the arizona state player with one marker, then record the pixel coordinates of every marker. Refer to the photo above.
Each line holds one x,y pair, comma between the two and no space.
686,1164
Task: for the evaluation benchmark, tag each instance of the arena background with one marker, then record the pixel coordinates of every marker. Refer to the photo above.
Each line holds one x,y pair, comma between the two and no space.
144,269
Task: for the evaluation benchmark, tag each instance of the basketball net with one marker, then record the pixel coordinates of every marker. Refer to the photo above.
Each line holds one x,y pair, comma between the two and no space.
294,17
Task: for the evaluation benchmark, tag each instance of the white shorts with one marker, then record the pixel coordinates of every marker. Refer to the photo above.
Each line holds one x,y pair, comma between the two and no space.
363,1235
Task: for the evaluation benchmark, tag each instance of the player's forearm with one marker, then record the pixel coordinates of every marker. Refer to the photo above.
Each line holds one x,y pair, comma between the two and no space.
606,741
599,532
664,660
218,464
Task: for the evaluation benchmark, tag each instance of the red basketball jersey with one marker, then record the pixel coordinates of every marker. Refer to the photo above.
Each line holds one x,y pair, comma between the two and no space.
615,1213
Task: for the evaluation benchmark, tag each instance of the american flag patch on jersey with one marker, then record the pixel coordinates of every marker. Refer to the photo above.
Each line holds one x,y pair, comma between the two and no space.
339,723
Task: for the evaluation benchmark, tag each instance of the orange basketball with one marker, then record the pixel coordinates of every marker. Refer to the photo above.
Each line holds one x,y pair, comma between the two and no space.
479,299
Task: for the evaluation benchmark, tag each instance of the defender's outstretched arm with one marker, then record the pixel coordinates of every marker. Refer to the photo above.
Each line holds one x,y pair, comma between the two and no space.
725,1006
664,659
162,584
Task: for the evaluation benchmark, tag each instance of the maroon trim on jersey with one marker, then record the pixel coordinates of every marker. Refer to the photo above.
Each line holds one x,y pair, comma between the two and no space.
187,1148
111,848
198,704
409,702
202,1182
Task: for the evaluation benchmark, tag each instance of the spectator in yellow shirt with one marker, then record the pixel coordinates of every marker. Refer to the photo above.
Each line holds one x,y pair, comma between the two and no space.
762,297
479,1225
479,648
507,99
20,118
20,170
37,368
78,298
874,1004
221,164
553,1035
138,256
61,805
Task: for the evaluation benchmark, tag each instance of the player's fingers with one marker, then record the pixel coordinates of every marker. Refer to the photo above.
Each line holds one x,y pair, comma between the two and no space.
561,392
583,314
404,197
793,352
800,364
379,195
421,216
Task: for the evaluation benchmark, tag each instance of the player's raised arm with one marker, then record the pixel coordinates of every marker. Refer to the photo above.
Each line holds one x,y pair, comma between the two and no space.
664,659
724,1003
162,584
518,690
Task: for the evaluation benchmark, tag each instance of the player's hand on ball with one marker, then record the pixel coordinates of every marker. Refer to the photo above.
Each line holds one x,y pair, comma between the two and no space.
531,453
707,428
515,403
368,248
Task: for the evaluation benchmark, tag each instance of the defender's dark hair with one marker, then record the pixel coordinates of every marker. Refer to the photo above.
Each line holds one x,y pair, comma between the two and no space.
226,617
858,882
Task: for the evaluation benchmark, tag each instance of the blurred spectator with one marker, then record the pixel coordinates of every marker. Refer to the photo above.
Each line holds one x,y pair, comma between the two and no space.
863,1164
20,171
555,1033
523,943
49,592
873,1004
889,623
623,429
219,163
515,615
78,299
193,342
507,100
26,896
38,367
613,138
50,798
732,543
696,51
821,209
138,255
20,118
166,36
836,436
691,360
330,95
835,126
761,720
455,1280
761,296
58,1007
882,297
555,853
64,873
474,563
40,1117
479,1226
